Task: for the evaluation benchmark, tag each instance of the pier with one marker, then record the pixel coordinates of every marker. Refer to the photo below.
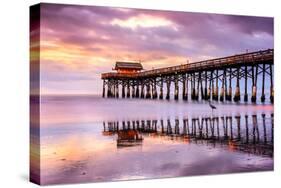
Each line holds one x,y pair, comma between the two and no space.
211,79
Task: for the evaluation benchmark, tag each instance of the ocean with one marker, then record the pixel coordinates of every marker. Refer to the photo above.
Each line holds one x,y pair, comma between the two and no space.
91,139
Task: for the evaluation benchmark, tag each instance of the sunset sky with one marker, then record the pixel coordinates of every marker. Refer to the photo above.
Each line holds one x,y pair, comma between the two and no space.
78,43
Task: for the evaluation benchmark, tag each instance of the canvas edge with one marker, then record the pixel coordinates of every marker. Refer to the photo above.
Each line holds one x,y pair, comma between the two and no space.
34,95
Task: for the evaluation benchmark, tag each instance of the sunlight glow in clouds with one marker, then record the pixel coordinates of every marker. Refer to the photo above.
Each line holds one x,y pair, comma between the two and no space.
142,20
78,43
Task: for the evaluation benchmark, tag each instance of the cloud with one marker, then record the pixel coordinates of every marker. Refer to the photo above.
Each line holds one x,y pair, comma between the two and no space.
87,40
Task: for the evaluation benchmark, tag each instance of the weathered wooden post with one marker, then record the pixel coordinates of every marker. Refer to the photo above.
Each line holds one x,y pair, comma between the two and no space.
176,94
148,94
168,84
142,89
137,89
271,84
196,90
154,89
209,88
222,87
216,90
229,95
123,89
184,97
206,85
201,87
108,89
192,86
187,77
133,89
246,84
103,89
117,89
113,88
237,90
151,89
263,79
254,86
225,85
161,88
212,85
128,89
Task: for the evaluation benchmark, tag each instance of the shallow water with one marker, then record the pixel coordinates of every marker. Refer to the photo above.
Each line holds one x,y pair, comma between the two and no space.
89,139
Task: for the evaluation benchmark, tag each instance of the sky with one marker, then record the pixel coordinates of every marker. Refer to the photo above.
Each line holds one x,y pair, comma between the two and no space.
78,43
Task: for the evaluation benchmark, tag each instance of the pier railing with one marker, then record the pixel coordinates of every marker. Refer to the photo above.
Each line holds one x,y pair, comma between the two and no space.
265,56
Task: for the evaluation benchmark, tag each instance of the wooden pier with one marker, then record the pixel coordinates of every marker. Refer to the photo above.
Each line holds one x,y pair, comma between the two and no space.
199,81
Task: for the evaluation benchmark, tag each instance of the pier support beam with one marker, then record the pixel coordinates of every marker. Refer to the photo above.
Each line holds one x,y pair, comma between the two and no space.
246,85
187,77
103,89
168,84
142,89
176,87
137,95
161,89
133,90
263,79
193,86
225,85
254,86
154,89
201,87
184,96
209,87
216,89
229,94
222,87
196,90
237,90
206,87
148,94
212,85
116,89
271,85
123,89
108,88
128,89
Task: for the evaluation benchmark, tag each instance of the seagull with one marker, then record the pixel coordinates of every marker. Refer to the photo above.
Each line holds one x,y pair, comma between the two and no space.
212,106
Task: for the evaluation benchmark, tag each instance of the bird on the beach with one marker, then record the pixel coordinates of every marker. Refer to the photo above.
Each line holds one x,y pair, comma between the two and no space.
212,106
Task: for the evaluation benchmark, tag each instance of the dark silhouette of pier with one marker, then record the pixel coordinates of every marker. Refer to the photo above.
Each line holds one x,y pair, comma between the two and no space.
248,133
199,80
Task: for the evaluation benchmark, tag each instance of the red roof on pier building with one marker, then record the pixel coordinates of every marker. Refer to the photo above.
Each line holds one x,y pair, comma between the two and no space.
128,67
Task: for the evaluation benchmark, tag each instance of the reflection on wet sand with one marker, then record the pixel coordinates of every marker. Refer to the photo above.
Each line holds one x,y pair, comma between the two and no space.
247,133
